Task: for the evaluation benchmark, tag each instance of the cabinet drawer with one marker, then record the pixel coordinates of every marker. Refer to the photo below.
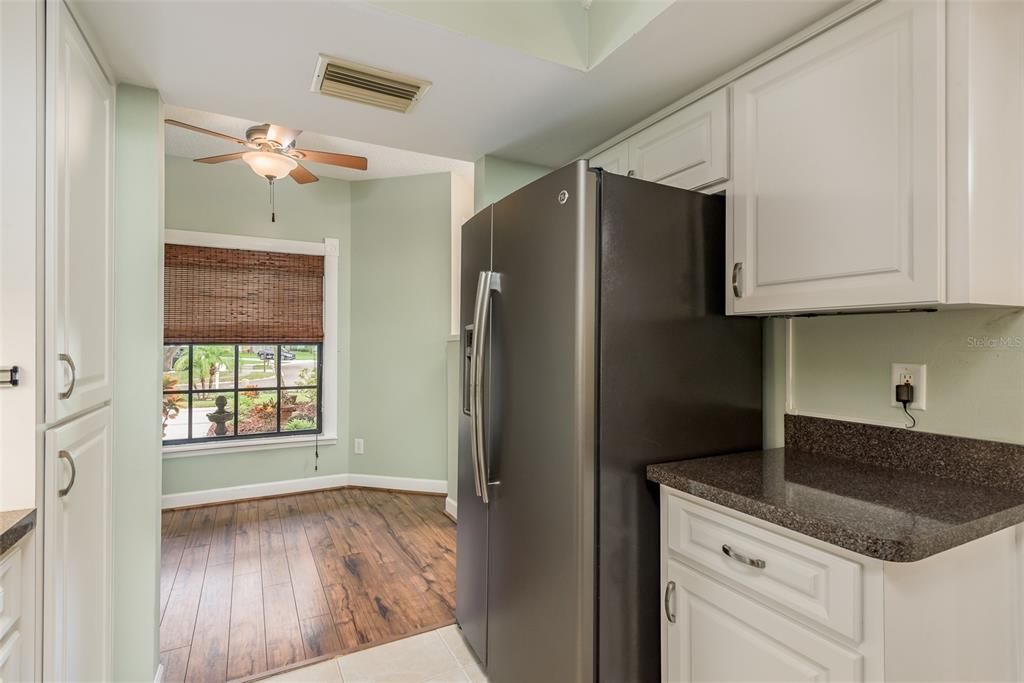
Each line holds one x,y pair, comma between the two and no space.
10,591
812,583
689,149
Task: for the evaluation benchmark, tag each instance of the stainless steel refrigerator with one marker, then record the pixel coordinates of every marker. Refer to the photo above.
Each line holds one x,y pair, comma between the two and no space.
594,342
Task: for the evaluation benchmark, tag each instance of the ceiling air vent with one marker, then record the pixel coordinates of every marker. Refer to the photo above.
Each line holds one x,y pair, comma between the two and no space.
367,85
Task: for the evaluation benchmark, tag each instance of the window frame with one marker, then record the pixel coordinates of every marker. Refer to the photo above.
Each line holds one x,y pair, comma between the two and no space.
333,386
279,387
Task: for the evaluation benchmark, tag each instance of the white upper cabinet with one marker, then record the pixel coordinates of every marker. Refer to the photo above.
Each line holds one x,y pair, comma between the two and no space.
79,222
838,183
874,161
614,159
689,149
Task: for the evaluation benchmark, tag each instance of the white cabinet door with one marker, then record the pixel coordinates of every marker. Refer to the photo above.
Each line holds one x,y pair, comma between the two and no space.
837,175
719,635
76,574
614,159
80,119
689,149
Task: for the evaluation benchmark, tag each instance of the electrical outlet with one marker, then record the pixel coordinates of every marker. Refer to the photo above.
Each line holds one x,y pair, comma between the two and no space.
917,375
359,447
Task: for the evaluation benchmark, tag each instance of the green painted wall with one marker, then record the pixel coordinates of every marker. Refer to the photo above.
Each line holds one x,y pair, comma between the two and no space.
454,365
229,198
494,178
400,323
975,375
138,322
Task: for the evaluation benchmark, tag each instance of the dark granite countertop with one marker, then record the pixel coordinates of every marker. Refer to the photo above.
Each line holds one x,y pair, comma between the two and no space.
891,514
14,524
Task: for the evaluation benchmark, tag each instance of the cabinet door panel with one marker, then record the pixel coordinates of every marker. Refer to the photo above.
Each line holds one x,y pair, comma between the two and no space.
77,547
689,149
614,159
79,221
719,635
837,182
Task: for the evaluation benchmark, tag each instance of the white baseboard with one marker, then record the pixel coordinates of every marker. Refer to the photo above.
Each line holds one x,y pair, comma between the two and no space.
452,508
377,481
278,488
159,677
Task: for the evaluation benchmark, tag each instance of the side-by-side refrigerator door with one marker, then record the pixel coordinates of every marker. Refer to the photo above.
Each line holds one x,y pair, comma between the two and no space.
471,530
539,466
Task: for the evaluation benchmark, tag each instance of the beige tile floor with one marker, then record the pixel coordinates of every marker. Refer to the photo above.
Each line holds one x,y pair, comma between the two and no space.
439,656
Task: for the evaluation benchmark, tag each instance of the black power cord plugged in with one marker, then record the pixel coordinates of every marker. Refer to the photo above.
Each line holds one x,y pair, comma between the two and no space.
905,396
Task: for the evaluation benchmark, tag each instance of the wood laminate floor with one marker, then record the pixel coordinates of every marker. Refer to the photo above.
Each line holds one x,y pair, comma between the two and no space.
256,585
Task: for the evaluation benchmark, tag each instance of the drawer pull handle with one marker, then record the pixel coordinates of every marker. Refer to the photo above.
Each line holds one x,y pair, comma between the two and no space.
750,561
670,594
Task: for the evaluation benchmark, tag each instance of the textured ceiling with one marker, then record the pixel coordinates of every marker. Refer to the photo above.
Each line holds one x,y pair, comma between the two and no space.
254,60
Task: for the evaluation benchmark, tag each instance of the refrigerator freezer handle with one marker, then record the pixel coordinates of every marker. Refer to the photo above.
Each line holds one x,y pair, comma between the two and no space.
488,282
474,361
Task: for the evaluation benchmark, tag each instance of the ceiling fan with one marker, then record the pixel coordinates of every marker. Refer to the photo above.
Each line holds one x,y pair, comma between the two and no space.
271,153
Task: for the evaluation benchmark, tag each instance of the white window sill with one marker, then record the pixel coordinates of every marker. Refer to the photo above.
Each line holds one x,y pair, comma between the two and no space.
188,450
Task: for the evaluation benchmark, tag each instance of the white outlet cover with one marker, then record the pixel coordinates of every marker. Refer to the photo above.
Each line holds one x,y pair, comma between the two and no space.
919,373
359,447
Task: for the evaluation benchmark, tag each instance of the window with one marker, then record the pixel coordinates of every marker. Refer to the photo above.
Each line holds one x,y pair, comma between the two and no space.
214,392
245,350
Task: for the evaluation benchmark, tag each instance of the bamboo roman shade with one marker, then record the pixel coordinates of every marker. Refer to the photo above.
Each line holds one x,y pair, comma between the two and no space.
237,295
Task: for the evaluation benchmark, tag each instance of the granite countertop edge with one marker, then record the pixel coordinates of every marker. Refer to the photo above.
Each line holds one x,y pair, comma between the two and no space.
14,526
877,547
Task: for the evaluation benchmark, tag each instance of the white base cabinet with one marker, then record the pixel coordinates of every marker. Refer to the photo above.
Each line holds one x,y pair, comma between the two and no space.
815,612
77,548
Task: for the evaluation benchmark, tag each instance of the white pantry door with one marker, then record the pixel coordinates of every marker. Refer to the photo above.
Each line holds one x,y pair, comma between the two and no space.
76,573
79,220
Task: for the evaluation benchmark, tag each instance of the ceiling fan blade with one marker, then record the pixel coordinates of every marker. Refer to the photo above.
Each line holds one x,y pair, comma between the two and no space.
220,158
197,129
334,159
281,135
301,175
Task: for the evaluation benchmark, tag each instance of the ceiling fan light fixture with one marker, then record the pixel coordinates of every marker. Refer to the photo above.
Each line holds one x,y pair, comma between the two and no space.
269,165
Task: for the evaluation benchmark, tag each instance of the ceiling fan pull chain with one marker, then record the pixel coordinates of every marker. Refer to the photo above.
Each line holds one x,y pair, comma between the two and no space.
273,207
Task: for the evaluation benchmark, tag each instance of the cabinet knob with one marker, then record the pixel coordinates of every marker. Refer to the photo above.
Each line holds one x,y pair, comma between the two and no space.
66,394
66,457
670,594
737,279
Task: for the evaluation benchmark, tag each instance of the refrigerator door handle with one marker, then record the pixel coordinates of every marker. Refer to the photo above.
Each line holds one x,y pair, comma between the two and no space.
473,362
488,283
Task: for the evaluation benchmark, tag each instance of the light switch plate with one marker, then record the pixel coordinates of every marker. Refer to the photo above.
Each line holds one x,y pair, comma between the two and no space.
918,375
359,447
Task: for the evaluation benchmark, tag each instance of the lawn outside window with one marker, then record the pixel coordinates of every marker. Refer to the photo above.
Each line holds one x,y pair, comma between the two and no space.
241,391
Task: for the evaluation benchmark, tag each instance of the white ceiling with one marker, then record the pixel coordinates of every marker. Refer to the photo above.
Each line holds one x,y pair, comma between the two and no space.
255,60
383,162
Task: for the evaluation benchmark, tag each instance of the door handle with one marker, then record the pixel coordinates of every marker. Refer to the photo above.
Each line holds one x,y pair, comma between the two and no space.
66,394
487,283
64,455
670,594
737,279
